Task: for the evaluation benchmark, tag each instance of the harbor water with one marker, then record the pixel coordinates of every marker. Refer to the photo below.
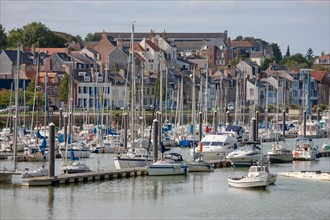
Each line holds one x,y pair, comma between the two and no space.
194,196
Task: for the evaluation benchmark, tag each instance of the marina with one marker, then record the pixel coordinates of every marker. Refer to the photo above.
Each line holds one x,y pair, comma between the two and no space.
179,197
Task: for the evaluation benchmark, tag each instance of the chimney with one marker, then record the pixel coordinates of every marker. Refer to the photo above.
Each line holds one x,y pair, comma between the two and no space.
120,43
104,35
164,35
152,35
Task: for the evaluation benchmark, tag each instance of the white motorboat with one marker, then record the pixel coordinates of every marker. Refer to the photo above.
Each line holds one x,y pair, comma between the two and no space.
258,181
304,149
216,146
75,167
279,154
42,171
134,157
171,164
312,175
256,170
247,155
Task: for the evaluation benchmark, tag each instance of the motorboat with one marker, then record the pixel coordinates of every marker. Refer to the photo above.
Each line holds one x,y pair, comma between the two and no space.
247,155
75,167
311,175
304,149
255,170
134,157
279,154
325,150
216,146
258,180
42,171
171,164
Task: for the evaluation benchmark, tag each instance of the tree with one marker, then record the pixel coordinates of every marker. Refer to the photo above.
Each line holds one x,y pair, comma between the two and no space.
3,38
309,56
296,61
266,63
14,38
37,33
277,52
287,54
64,88
93,37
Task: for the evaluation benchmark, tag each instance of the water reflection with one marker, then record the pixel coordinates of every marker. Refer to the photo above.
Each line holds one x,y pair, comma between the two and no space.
165,185
51,202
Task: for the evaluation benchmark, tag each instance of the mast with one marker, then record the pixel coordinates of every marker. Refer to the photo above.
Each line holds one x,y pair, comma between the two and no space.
133,86
193,109
16,108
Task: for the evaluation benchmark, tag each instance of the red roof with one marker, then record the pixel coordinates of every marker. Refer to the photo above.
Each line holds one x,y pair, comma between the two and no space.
318,75
325,56
152,45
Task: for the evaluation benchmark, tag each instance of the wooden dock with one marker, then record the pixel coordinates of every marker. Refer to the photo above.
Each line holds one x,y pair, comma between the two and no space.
83,177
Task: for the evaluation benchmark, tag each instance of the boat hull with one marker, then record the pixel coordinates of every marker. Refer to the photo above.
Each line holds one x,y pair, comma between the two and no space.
122,163
200,166
167,169
280,158
248,182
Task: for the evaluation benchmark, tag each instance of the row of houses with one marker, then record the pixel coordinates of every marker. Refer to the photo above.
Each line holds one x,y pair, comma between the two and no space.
104,72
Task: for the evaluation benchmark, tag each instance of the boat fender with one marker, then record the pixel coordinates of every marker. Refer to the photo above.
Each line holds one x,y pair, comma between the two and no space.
296,154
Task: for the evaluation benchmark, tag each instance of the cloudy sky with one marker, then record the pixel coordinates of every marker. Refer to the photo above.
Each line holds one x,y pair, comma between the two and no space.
299,24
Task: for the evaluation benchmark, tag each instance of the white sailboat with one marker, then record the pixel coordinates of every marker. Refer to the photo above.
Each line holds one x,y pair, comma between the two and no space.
5,174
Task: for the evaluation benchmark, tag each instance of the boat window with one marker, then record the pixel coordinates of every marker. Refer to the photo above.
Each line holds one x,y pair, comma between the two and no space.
206,143
216,143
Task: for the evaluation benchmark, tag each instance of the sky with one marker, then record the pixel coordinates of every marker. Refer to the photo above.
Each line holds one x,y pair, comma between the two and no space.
299,24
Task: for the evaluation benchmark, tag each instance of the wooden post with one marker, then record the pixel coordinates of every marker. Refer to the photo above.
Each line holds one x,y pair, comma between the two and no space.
155,140
51,151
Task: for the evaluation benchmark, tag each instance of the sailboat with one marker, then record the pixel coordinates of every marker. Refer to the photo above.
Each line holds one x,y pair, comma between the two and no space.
198,164
279,153
5,174
75,166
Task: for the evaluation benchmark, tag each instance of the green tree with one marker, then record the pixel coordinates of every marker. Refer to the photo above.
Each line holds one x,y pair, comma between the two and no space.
5,97
287,54
277,52
3,38
309,56
93,37
114,68
14,38
266,63
64,89
296,62
37,33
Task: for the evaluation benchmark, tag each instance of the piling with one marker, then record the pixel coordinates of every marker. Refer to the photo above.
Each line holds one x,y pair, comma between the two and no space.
60,120
228,117
266,119
159,118
51,153
125,130
304,123
215,121
318,114
257,124
283,121
155,140
200,119
254,129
